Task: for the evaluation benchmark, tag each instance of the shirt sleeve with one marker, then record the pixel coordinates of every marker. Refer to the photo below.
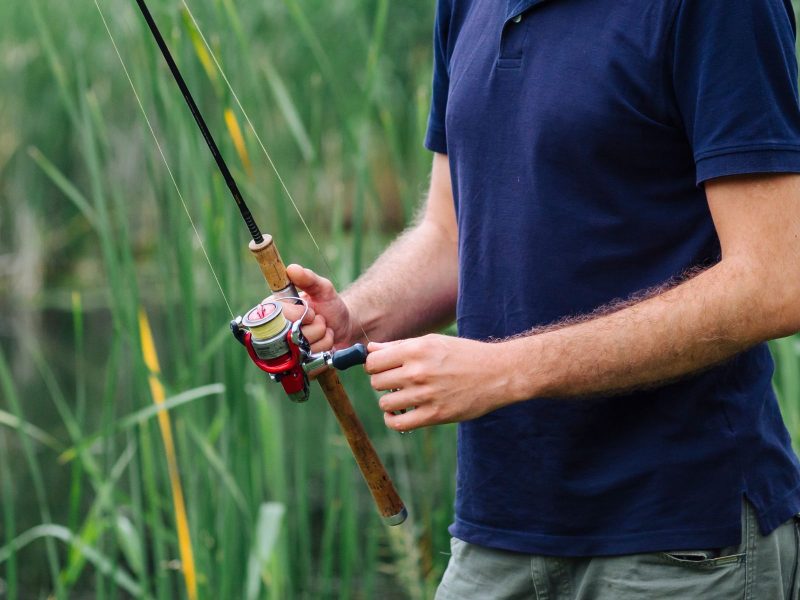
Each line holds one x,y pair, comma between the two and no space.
734,74
436,136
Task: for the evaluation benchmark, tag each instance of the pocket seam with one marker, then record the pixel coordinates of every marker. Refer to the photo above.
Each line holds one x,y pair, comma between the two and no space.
709,563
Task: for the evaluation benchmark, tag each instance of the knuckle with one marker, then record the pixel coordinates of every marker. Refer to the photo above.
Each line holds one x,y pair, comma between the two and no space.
417,375
420,347
326,287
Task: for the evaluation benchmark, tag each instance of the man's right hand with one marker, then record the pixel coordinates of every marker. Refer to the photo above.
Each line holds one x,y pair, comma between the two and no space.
330,323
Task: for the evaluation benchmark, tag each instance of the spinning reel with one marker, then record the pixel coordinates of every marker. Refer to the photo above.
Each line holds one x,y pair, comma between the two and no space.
278,347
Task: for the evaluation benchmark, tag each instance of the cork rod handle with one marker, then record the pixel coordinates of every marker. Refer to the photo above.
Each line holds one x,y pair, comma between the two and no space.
270,263
387,500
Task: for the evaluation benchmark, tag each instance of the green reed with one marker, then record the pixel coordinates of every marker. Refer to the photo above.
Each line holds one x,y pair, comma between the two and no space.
276,507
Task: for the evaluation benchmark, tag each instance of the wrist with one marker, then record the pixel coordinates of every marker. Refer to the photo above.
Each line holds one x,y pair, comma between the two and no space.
354,329
524,373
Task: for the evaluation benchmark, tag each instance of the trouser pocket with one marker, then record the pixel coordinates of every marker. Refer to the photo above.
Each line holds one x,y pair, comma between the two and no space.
704,559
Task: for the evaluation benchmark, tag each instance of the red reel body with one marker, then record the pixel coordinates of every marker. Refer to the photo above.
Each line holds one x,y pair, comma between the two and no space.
286,369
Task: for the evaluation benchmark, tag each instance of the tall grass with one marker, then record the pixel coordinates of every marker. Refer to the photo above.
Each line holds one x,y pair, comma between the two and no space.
92,232
274,506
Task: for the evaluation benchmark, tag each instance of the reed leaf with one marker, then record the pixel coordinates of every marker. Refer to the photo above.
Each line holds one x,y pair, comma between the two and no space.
182,521
270,517
50,531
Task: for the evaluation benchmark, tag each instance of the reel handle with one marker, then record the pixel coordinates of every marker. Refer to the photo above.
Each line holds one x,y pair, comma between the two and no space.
388,501
349,357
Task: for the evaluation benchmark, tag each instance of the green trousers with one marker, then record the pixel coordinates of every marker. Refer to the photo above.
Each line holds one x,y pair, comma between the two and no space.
759,568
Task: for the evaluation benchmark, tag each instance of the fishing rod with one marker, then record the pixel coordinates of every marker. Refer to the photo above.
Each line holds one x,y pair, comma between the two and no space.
275,344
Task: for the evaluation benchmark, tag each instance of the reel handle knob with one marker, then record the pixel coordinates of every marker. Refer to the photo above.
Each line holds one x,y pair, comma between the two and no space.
349,357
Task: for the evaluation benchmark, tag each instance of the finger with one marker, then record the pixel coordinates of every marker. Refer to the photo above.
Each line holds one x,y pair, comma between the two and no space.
293,311
388,380
318,323
397,401
315,331
389,356
297,275
314,285
324,343
311,316
375,346
409,421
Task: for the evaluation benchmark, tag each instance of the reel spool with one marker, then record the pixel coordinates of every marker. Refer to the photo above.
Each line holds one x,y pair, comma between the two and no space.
268,328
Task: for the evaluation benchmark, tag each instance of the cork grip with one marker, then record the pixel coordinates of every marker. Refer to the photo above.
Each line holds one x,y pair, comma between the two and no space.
388,501
270,263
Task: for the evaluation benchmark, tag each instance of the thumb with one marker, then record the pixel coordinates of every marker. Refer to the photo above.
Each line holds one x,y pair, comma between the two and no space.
317,287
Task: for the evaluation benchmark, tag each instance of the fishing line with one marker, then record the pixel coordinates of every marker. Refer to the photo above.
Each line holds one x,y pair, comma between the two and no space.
163,157
328,266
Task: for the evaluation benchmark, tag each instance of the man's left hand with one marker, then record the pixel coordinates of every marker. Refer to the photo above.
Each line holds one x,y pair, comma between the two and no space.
444,379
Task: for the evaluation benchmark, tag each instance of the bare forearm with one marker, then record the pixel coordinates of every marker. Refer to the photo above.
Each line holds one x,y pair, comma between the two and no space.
410,289
699,323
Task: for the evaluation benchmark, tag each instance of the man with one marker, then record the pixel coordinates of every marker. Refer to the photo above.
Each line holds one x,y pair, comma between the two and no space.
614,217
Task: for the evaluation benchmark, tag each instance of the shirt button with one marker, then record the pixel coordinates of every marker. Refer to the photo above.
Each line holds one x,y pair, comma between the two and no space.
517,19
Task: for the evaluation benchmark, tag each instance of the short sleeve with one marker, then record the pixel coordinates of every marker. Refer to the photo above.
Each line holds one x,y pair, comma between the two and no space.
436,137
734,74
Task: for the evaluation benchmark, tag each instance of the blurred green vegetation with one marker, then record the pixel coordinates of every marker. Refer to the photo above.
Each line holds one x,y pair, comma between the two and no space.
92,230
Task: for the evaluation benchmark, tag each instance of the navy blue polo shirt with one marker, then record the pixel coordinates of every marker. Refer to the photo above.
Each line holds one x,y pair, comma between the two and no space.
579,134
